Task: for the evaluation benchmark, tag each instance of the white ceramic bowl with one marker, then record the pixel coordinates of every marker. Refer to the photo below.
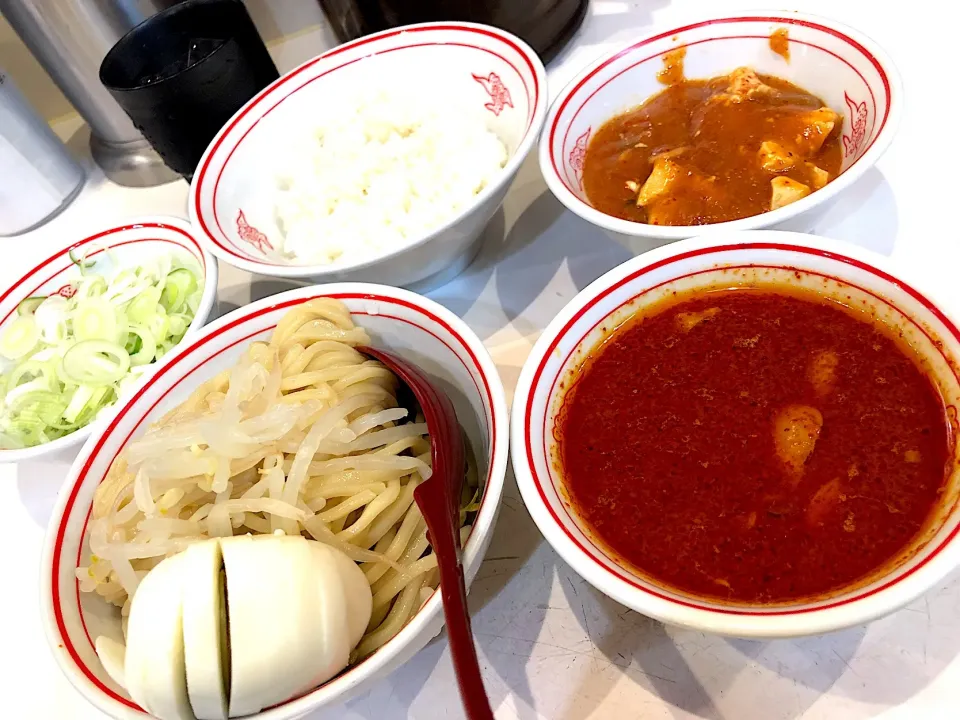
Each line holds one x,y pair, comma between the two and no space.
840,65
232,193
829,267
408,324
133,243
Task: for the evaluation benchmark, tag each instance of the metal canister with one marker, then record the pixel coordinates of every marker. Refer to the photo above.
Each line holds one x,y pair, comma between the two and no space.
38,177
70,38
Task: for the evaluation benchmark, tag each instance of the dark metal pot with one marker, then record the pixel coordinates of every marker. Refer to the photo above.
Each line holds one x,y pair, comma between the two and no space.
546,25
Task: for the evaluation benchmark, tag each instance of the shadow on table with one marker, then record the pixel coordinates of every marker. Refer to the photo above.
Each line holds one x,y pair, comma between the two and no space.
392,697
515,539
907,651
544,238
509,598
39,481
690,670
846,219
508,630
263,287
693,671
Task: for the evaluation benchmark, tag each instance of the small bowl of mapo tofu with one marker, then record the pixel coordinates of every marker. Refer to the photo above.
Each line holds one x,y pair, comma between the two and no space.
737,122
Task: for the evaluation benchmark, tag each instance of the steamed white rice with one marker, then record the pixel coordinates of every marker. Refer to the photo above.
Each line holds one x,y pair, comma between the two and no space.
379,171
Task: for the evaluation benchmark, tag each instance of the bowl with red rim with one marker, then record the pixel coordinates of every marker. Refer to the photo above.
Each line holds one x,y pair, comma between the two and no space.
233,194
834,270
136,242
838,64
410,326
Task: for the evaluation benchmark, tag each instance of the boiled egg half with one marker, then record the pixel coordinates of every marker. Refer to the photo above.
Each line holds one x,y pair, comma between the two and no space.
234,625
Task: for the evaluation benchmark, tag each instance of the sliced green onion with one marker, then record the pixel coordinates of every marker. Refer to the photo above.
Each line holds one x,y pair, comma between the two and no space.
96,362
27,306
47,405
52,316
178,325
144,305
81,396
76,356
159,324
94,286
24,393
180,284
82,261
20,338
95,319
145,351
24,372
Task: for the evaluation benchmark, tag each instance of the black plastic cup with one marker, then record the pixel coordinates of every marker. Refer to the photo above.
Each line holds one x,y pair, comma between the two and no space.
181,75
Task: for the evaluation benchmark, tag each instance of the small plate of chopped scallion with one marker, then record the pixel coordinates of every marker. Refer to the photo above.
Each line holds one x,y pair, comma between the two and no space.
67,356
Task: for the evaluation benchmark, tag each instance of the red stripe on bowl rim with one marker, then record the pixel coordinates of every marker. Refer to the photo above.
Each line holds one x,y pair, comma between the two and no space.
552,347
93,238
189,349
706,23
277,84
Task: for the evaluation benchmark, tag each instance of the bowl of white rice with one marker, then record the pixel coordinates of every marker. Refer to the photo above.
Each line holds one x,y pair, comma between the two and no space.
381,160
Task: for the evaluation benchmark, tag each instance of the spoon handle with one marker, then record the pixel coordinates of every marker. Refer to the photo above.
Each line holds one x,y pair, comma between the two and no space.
438,498
453,590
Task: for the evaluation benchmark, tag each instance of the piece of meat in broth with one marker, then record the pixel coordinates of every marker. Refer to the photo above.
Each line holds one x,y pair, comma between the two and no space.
746,84
816,128
818,176
827,498
660,182
774,157
822,371
687,321
785,191
796,429
670,182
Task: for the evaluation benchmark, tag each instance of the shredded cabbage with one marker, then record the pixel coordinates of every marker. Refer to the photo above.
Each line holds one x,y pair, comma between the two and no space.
66,359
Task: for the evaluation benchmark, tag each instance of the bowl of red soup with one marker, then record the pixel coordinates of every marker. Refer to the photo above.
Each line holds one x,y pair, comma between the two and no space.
732,123
752,434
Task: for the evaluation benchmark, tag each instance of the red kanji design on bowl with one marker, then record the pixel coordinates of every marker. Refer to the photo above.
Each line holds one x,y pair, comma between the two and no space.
577,154
858,126
248,233
67,291
499,95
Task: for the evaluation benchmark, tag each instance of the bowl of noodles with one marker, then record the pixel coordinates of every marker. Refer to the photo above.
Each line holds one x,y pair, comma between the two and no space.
208,448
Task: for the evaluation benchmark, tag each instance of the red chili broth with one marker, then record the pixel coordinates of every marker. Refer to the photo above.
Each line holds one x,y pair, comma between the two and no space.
668,450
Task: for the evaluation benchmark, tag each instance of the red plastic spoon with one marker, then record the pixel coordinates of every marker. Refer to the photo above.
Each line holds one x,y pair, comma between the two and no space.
439,501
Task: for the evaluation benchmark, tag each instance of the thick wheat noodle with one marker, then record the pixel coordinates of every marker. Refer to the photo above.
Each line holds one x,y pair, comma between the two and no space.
346,507
301,396
330,375
403,607
389,591
392,515
345,489
408,557
400,540
251,422
376,506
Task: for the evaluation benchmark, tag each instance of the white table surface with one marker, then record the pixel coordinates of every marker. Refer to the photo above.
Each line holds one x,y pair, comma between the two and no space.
551,646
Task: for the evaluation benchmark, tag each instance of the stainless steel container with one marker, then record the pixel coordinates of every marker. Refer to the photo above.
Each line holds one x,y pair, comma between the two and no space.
69,38
38,178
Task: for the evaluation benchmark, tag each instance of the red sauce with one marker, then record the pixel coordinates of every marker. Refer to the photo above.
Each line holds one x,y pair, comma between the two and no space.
712,134
670,450
780,43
